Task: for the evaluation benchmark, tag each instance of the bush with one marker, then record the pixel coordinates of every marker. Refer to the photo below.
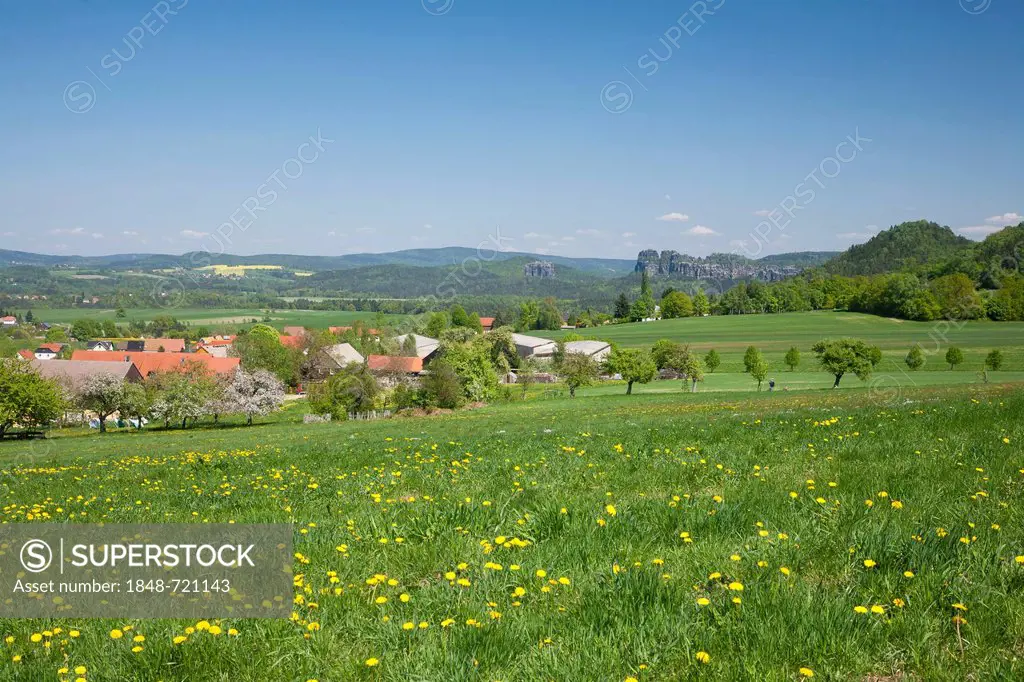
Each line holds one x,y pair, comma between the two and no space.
442,386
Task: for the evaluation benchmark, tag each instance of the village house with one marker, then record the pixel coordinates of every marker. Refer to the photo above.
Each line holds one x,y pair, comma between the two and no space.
392,369
73,373
533,346
426,347
48,351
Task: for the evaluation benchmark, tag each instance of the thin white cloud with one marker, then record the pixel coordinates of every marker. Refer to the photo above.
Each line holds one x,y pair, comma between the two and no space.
568,239
8,234
366,230
627,235
74,230
97,235
130,233
673,218
763,212
738,243
1005,219
590,232
979,229
668,197
700,231
194,234
855,235
428,226
332,233
531,235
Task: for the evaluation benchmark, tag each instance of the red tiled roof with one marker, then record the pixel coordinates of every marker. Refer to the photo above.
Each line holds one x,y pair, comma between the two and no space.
149,363
27,354
55,347
295,331
487,321
169,345
291,341
391,363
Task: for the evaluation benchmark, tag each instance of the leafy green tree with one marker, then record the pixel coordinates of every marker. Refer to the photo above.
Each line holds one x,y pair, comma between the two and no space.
56,335
135,402
664,351
261,348
352,389
693,368
758,366
635,365
956,297
458,316
643,307
847,356
577,370
548,316
915,358
471,361
701,304
676,304
29,317
712,360
792,358
954,357
529,312
436,323
26,399
503,351
474,322
442,386
409,346
994,360
749,357
621,307
526,375
86,330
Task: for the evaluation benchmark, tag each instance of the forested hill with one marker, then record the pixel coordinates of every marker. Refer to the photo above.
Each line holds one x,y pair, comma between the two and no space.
904,247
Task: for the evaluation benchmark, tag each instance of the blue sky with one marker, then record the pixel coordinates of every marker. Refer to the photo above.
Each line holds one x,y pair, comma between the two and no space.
579,128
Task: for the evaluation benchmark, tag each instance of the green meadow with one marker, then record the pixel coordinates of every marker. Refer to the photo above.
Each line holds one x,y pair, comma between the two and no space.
228,319
659,536
775,334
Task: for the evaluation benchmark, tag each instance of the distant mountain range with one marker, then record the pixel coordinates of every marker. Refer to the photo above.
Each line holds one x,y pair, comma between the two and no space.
440,257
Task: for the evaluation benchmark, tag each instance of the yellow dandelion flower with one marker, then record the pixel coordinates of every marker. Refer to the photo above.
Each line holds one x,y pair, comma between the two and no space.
703,657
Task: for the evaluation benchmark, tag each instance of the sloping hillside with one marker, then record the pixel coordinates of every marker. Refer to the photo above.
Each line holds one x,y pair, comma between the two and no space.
903,247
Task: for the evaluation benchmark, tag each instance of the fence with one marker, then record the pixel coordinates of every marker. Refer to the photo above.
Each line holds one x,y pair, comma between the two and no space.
372,414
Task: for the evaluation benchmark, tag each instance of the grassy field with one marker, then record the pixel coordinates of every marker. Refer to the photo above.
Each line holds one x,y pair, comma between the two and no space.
657,537
228,319
886,382
774,334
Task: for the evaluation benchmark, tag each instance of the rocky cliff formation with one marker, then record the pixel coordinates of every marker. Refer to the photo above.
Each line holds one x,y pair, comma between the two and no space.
539,268
715,266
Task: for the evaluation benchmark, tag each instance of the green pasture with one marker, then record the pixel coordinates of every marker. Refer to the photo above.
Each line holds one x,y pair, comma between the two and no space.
659,536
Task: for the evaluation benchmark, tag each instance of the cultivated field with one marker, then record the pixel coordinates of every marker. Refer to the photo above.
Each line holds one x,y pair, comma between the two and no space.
654,537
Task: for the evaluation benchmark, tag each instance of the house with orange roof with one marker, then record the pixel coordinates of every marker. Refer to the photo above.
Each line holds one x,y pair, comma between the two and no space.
394,364
487,323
